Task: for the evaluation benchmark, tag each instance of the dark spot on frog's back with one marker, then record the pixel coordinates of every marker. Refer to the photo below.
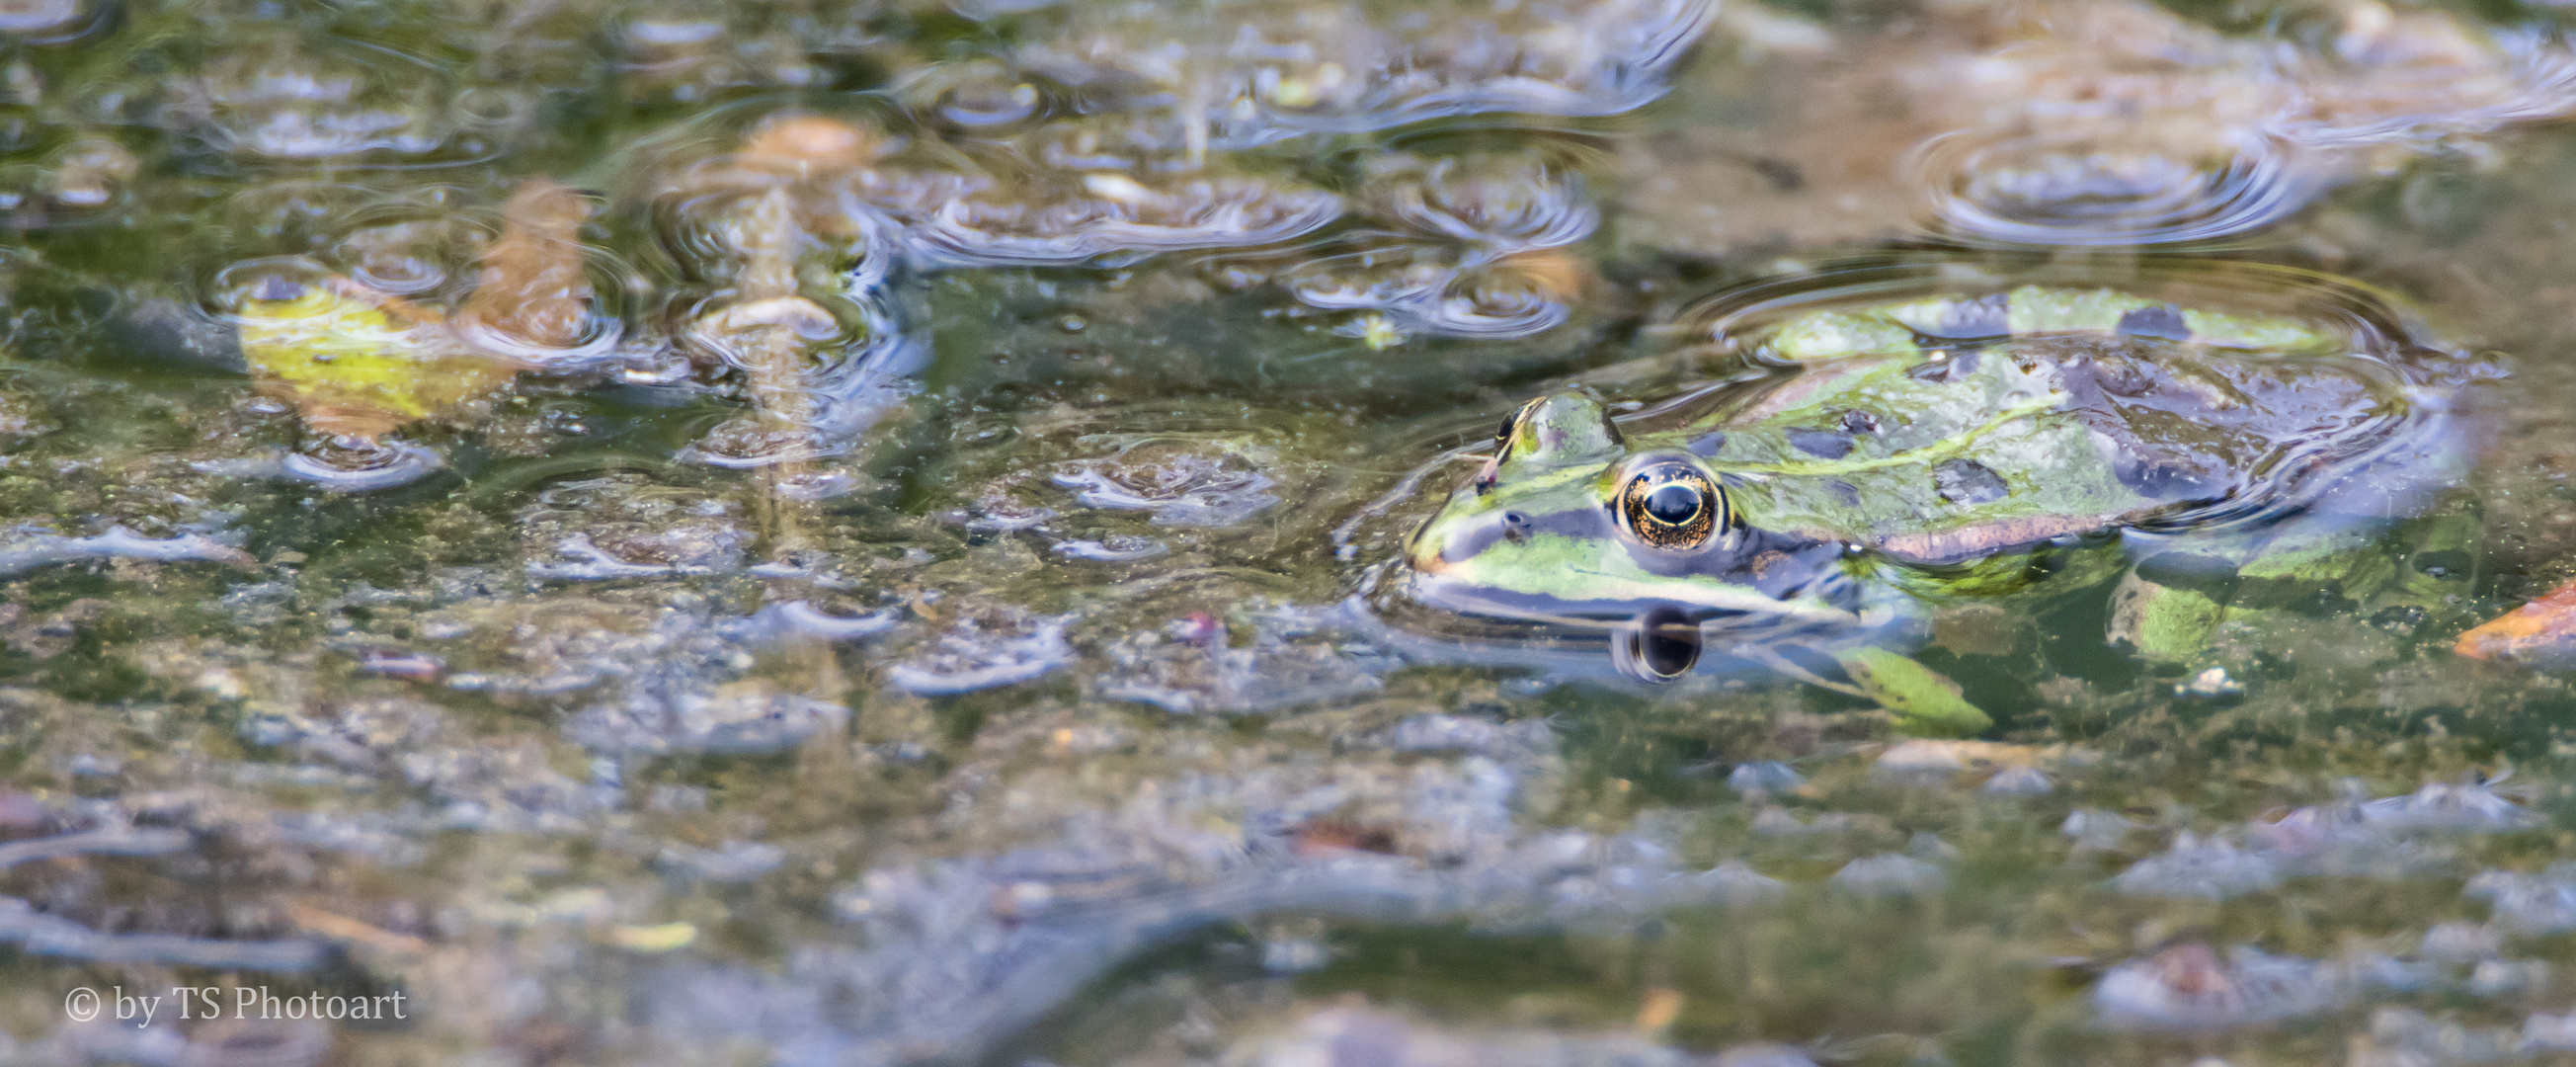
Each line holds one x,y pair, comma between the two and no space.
1822,444
1986,316
1962,481
1944,366
2170,481
2162,320
1707,445
1782,573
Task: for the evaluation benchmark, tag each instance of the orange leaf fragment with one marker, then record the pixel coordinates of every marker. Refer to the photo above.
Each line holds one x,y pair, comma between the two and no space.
808,145
2543,627
1662,1006
533,291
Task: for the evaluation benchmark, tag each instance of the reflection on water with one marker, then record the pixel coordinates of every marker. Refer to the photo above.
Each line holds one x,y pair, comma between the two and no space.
905,532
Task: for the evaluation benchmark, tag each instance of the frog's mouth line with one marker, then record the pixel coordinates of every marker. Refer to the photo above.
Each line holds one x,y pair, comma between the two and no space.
1751,615
1651,643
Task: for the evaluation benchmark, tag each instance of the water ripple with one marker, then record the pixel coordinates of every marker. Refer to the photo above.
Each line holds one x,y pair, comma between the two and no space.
1426,289
359,465
1110,218
1504,201
2075,190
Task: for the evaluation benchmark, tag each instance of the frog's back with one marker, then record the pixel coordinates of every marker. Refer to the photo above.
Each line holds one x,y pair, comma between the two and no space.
1947,428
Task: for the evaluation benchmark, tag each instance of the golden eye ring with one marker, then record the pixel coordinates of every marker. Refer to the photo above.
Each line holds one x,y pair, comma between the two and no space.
1669,504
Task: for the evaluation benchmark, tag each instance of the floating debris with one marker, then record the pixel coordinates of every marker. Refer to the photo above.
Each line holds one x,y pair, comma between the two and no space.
28,548
2196,867
2188,988
266,1042
2340,840
2093,828
1113,549
2018,782
1763,1054
967,658
119,841
2460,942
1762,777
44,935
802,617
1931,762
2211,684
2543,1032
1358,1034
1199,673
664,937
1446,733
2542,903
1888,875
748,716
588,562
1180,488
2468,806
2404,1037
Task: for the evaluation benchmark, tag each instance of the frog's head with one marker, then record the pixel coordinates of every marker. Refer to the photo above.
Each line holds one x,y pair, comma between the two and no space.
1569,526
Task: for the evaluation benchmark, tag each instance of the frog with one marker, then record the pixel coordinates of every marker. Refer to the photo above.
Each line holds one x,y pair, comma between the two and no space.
1880,458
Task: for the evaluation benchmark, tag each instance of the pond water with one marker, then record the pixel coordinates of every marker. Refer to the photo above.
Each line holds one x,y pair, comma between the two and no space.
898,532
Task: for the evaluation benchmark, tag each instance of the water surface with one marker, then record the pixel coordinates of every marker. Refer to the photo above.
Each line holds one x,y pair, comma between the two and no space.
862,550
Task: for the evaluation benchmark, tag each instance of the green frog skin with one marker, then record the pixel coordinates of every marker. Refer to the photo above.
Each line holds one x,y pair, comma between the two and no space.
1901,455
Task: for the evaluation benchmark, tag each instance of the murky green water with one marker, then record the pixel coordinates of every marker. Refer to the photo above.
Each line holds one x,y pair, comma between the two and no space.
877,533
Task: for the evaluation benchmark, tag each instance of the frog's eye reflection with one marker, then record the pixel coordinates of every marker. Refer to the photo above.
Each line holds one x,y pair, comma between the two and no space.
1658,646
1672,505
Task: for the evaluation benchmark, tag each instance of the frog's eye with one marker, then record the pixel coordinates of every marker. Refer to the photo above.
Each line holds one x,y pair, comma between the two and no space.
1670,504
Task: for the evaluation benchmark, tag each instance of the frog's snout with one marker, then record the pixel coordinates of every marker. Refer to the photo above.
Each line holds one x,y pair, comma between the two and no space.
1559,428
1485,475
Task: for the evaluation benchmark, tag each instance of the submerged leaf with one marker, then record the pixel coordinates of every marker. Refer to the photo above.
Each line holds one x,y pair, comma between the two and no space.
358,362
1923,700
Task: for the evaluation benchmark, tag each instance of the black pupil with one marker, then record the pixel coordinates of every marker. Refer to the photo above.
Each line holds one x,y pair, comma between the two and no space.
1673,503
1504,434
